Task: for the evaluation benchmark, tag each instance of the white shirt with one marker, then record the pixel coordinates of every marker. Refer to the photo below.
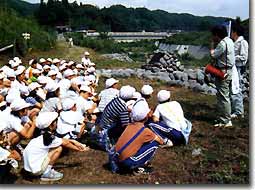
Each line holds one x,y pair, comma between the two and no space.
83,105
241,51
85,61
235,81
4,154
64,85
106,96
10,122
35,153
172,114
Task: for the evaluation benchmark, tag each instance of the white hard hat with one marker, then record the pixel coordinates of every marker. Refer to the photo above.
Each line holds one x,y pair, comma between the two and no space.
163,95
109,82
86,53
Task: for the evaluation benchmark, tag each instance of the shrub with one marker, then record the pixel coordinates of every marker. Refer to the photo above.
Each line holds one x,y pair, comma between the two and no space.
12,27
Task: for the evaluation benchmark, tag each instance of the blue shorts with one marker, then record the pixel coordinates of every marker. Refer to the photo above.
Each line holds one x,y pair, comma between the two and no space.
164,131
144,155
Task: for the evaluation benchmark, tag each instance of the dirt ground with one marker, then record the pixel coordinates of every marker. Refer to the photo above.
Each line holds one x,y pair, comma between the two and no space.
224,157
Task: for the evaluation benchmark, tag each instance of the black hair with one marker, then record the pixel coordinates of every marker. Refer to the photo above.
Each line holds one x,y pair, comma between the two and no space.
237,28
48,138
3,108
220,31
51,95
15,113
146,96
165,101
34,62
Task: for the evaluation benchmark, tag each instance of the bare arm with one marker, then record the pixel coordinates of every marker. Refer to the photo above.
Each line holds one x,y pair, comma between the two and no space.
74,145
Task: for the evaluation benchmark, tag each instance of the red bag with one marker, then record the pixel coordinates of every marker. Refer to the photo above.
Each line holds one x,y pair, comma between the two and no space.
215,71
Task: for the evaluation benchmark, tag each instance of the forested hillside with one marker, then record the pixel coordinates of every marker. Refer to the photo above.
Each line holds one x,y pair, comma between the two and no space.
115,18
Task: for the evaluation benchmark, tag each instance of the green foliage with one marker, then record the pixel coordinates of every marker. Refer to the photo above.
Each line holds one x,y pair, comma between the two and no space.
12,27
190,38
119,18
21,7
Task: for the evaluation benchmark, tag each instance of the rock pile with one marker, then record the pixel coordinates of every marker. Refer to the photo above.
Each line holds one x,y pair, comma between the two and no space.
121,57
167,68
163,61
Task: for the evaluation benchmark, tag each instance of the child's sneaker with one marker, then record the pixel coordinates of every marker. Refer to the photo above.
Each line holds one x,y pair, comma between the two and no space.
52,175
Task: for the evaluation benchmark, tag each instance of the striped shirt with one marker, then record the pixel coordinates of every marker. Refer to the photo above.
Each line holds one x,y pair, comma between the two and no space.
116,112
106,96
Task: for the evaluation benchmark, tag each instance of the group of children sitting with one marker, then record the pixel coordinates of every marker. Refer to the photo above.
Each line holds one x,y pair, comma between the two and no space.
53,105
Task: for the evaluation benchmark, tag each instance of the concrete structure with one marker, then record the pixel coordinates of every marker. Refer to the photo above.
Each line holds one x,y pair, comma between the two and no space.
130,36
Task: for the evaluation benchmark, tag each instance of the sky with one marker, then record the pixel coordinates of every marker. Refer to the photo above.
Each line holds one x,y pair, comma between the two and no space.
225,8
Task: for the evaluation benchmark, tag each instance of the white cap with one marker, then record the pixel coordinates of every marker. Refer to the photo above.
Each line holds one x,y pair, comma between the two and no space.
46,67
91,78
20,70
11,62
70,63
11,73
147,90
49,60
19,104
62,62
62,67
140,110
14,64
79,66
44,119
86,53
17,59
24,90
42,80
163,95
36,71
91,70
68,73
92,64
85,89
137,95
33,86
67,104
42,60
126,92
109,82
51,86
31,61
56,60
52,72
